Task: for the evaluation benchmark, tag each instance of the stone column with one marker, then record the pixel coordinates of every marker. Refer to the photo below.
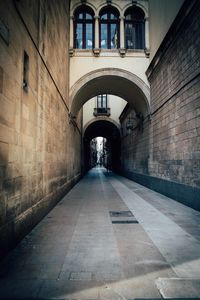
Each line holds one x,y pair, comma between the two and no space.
122,49
147,47
96,32
122,32
96,49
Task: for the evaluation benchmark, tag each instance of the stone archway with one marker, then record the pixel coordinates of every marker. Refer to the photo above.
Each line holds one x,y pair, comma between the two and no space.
111,81
109,130
102,118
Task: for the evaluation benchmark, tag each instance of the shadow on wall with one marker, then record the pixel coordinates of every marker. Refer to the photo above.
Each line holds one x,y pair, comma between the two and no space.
135,149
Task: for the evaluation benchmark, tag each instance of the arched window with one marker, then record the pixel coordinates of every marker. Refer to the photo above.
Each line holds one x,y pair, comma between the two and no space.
84,28
109,28
134,28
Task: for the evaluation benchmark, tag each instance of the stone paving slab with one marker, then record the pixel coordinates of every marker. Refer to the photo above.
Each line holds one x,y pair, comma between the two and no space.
186,217
180,249
182,288
20,289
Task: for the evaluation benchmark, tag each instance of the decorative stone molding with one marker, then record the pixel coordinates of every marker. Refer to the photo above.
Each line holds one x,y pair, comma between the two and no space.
71,52
122,52
96,52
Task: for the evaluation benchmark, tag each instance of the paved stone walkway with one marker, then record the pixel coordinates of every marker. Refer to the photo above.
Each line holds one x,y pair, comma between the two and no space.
108,238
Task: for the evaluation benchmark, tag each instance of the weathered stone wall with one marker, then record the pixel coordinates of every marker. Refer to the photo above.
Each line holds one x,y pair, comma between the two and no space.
39,149
135,143
174,131
175,96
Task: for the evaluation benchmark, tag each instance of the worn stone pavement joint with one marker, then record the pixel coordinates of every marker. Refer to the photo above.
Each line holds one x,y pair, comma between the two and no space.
182,288
80,276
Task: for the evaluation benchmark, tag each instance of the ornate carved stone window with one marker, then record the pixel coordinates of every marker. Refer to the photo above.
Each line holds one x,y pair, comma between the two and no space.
109,28
134,28
84,28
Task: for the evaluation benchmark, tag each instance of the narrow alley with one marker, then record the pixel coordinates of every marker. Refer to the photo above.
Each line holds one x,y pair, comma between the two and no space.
108,238
100,149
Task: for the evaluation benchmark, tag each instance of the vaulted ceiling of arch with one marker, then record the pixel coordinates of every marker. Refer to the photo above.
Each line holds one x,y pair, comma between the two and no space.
114,85
102,128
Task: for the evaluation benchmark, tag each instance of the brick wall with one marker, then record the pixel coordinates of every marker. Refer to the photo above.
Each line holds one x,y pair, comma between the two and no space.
39,149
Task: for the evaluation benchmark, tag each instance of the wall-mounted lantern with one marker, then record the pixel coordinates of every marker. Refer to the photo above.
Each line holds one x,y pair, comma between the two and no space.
138,125
129,125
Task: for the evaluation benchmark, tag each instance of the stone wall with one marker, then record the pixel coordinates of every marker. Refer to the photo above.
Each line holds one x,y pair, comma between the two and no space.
39,148
135,142
175,96
174,130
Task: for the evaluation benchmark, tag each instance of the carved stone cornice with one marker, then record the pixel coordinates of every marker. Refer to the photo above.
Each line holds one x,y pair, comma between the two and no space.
122,52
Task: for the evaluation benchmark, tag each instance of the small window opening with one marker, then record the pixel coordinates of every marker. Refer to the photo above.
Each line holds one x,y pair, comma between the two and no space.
134,28
102,101
109,28
84,28
25,71
102,106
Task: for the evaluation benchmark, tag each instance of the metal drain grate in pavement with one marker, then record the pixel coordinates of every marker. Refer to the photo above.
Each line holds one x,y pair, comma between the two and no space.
122,217
125,222
115,214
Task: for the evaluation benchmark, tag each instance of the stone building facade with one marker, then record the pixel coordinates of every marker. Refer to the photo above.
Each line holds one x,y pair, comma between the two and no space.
39,148
88,63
